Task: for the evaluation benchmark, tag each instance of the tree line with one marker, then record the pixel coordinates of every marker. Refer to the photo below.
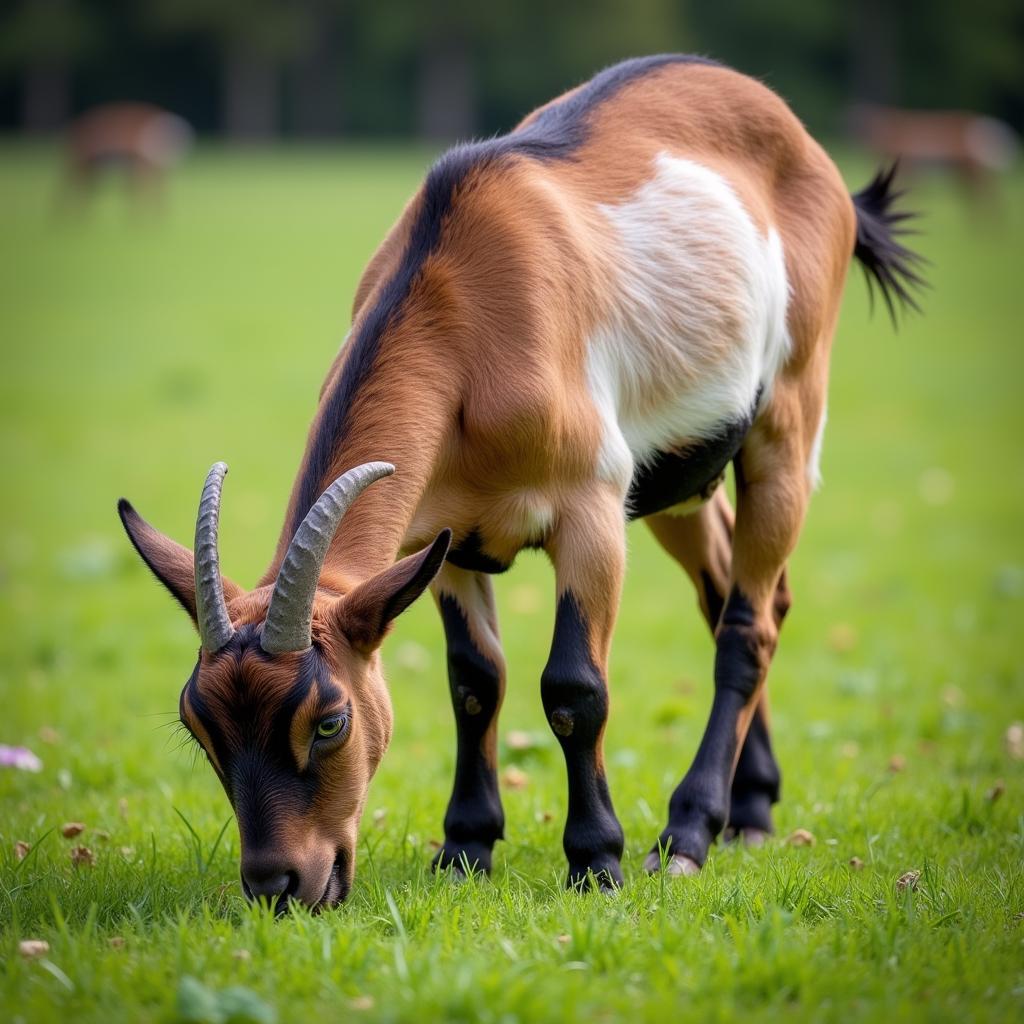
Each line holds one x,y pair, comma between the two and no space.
441,69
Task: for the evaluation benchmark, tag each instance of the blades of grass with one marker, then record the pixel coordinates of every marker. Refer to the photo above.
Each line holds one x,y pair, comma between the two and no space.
197,843
34,851
216,843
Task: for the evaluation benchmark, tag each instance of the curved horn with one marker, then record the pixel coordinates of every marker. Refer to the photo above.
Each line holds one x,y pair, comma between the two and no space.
291,605
215,628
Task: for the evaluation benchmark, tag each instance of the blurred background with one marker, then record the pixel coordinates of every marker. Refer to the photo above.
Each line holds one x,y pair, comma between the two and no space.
359,69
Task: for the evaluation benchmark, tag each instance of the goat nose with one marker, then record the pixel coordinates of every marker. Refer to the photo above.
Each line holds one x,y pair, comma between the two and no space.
263,880
278,885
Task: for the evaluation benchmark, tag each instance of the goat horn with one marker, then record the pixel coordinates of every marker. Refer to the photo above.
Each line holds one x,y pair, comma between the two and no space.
288,625
215,628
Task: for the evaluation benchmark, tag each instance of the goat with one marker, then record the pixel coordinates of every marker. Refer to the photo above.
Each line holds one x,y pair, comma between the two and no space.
974,148
576,324
142,141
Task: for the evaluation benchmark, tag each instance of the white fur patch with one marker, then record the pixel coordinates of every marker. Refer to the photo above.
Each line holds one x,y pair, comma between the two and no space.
814,462
699,322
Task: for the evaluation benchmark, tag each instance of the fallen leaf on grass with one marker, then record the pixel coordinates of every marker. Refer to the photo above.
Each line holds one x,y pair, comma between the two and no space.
842,638
801,837
519,740
908,880
856,864
1015,741
993,794
21,849
953,697
685,685
514,778
30,948
82,857
71,829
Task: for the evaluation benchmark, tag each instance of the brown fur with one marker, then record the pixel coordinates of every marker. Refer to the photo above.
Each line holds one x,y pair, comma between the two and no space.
478,394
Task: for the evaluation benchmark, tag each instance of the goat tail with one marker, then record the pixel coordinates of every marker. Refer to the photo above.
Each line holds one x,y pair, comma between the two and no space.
886,261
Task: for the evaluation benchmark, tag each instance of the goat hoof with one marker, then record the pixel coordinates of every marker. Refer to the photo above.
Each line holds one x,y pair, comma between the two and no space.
605,876
676,865
461,862
752,837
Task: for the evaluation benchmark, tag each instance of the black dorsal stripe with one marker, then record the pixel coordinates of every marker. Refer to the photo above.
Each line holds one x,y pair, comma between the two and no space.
555,134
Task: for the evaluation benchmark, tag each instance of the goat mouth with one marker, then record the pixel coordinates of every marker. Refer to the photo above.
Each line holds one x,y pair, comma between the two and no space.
336,890
280,903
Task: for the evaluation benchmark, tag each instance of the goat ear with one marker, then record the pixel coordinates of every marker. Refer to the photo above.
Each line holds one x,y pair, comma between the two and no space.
170,562
365,614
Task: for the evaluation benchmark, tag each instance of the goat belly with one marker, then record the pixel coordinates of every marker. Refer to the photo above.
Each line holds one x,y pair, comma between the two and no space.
689,473
468,554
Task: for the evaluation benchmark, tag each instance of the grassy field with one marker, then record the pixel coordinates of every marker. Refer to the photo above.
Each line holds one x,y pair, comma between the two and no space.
139,346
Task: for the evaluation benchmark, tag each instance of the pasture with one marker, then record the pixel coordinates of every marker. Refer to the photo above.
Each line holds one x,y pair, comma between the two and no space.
139,345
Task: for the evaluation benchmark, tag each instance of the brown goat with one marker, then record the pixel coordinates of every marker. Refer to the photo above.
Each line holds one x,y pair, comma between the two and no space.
582,322
974,148
141,141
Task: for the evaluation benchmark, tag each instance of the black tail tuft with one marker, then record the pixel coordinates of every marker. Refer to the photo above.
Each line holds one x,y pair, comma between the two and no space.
886,261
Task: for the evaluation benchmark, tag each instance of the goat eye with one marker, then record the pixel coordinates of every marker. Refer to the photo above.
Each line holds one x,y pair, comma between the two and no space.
330,727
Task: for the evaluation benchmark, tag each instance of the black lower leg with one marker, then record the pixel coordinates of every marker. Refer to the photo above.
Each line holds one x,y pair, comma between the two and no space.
755,786
575,697
699,806
474,819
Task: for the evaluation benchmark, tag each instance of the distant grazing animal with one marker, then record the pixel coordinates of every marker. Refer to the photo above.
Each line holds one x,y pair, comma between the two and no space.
975,148
574,325
141,141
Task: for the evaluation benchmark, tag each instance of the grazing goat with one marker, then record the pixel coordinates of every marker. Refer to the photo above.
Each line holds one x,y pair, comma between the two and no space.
974,148
141,141
579,323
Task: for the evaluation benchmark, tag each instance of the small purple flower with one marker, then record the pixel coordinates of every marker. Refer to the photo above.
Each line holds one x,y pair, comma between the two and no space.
19,757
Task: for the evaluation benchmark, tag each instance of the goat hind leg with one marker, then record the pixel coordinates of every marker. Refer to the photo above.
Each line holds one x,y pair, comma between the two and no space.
701,542
772,492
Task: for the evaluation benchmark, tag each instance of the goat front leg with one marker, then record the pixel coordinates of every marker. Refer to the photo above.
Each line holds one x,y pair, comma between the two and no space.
587,549
474,820
772,492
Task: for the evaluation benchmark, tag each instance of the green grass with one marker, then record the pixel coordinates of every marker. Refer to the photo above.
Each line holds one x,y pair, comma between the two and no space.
139,347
